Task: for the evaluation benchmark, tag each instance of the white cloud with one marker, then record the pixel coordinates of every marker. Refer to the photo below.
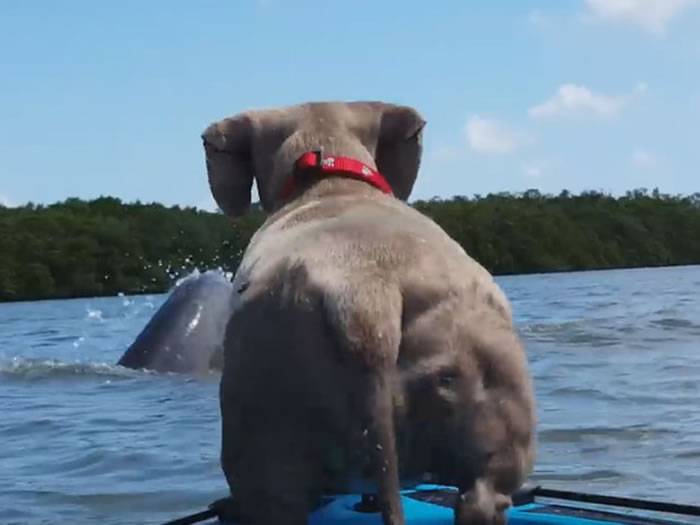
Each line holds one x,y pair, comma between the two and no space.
643,159
533,171
4,201
578,100
486,135
651,15
540,169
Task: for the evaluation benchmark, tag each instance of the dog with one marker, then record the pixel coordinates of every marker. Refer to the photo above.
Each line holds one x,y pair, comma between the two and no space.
367,349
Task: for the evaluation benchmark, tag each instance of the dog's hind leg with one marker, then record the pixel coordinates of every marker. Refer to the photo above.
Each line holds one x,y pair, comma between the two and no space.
380,443
278,488
269,459
365,319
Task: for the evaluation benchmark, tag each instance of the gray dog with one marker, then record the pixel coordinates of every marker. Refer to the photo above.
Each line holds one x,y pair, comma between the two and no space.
368,349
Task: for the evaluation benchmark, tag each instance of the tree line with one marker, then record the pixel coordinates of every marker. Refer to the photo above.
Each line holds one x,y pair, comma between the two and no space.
104,246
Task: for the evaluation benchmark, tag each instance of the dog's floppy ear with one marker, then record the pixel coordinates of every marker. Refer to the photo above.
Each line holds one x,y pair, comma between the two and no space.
399,147
228,148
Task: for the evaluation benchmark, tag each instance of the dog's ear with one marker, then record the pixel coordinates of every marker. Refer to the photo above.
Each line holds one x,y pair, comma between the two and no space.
399,147
230,167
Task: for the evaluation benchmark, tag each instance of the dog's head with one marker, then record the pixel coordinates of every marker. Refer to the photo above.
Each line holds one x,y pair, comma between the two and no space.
264,146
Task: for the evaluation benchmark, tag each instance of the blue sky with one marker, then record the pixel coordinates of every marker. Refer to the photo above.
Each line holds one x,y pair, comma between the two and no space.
101,98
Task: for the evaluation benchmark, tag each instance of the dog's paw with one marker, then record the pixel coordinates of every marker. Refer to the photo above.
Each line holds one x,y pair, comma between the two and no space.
482,507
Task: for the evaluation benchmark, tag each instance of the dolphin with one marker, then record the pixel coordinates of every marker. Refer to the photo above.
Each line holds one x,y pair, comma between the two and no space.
186,333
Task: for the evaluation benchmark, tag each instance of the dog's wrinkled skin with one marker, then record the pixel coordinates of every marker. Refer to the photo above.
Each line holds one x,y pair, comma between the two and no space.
367,345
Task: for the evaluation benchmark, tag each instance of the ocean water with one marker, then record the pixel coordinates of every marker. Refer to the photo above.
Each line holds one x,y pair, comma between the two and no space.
615,357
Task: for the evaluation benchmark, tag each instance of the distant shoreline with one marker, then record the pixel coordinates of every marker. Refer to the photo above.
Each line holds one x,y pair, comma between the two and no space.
103,247
531,274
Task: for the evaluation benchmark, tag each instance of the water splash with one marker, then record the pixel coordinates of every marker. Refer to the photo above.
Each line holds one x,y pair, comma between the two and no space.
125,301
94,313
38,369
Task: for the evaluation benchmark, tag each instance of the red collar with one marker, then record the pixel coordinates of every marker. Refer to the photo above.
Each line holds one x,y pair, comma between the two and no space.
314,162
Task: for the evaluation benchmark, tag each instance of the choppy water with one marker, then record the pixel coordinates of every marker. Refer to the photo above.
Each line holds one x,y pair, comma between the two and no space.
615,356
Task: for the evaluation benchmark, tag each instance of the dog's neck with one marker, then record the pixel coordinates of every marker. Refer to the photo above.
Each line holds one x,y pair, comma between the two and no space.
313,166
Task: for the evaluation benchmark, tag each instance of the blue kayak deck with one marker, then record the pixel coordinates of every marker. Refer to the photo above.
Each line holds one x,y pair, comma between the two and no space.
431,505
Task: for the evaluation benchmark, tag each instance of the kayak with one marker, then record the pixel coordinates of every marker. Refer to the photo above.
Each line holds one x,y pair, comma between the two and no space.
432,505
532,505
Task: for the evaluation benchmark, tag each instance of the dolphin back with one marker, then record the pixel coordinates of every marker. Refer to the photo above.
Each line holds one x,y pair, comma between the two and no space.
186,333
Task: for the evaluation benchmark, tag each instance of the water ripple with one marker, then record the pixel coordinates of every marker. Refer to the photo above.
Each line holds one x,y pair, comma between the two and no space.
20,368
615,357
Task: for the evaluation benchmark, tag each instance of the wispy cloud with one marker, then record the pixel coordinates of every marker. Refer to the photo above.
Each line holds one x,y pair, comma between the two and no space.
651,15
643,159
572,100
533,171
488,135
